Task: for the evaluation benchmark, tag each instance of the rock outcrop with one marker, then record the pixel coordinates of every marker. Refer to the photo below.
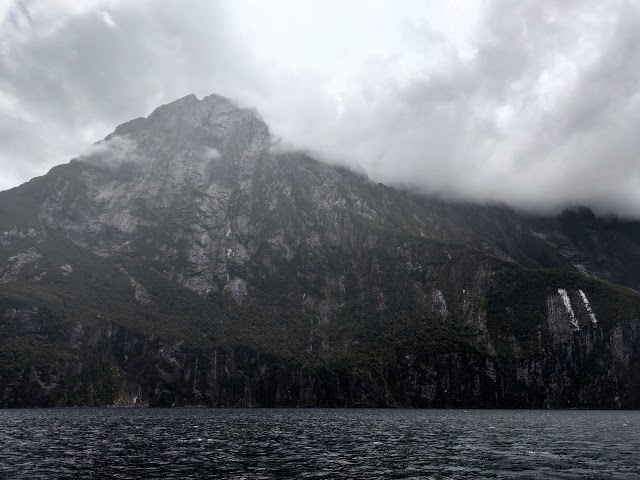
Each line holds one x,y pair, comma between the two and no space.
187,261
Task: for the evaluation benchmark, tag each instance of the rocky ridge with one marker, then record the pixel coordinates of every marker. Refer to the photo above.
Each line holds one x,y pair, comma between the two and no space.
187,261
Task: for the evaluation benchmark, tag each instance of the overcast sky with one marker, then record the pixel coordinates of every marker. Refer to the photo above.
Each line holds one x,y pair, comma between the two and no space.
533,103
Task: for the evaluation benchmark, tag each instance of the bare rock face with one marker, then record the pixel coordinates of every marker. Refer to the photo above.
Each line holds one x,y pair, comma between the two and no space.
204,175
141,294
561,324
186,260
237,288
439,303
17,263
184,169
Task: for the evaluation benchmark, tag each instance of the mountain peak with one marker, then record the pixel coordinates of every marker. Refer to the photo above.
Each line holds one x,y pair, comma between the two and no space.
187,131
191,104
195,260
213,113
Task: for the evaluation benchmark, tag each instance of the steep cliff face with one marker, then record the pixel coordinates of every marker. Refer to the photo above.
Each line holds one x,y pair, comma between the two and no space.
113,366
186,260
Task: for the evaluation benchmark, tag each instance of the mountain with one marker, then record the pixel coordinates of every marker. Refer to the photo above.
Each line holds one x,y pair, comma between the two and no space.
186,260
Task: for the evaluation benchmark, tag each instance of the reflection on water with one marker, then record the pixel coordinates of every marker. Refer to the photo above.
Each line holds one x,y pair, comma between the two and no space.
331,444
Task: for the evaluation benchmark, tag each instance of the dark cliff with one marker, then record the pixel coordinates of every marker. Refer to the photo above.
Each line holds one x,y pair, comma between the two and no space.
188,262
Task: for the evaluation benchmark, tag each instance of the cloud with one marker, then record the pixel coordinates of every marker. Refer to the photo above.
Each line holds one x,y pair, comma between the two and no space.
108,19
110,153
533,103
211,153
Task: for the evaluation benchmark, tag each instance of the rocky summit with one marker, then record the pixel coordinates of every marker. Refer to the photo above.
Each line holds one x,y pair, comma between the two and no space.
185,260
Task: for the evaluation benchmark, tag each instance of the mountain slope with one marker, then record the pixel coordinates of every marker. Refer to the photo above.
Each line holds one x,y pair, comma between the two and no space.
188,261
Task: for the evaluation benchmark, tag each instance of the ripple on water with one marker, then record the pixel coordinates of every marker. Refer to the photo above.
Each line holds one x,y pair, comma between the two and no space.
317,444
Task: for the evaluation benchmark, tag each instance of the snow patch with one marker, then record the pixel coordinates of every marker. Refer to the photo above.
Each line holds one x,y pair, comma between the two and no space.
587,306
567,305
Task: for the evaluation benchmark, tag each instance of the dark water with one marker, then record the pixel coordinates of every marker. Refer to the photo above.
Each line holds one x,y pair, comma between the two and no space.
330,444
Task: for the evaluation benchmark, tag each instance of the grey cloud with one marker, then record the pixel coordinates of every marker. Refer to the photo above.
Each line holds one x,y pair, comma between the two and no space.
77,84
541,113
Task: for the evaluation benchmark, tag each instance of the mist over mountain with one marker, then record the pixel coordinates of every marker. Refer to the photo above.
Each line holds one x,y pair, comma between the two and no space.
532,104
188,259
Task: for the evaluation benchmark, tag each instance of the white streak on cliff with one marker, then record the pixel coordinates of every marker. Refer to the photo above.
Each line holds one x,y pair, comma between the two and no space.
592,315
567,305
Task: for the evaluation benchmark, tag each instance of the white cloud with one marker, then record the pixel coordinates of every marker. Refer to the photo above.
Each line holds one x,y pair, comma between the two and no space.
108,19
110,153
211,153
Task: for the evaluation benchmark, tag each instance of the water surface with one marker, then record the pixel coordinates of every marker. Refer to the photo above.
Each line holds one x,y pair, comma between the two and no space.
330,444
